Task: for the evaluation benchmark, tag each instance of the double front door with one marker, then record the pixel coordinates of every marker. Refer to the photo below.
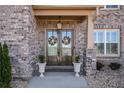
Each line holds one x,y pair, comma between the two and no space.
59,47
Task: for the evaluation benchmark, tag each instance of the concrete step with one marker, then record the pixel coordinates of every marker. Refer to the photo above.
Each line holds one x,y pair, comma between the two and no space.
59,69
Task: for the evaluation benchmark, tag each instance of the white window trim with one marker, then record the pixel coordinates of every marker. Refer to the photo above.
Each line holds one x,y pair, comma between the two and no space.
105,42
109,55
105,8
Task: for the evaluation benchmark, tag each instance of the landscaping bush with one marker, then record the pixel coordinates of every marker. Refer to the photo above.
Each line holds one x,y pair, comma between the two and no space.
41,58
99,66
115,66
5,66
0,65
76,58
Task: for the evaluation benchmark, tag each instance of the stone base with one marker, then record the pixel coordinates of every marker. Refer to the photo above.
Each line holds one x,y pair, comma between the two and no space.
19,84
90,68
107,78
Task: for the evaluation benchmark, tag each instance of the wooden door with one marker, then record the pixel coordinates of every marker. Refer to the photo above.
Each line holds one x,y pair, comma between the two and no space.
59,47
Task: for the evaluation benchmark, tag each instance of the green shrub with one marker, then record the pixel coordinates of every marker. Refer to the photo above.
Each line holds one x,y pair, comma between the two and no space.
77,58
41,58
4,85
99,66
114,66
0,64
5,66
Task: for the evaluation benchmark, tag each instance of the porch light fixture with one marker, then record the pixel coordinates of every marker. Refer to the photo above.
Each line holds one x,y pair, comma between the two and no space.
59,24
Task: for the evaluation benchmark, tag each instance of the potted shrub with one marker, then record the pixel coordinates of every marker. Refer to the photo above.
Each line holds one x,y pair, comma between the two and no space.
77,65
42,64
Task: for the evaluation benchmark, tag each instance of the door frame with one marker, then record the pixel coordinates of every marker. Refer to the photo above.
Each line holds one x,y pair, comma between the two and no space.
73,43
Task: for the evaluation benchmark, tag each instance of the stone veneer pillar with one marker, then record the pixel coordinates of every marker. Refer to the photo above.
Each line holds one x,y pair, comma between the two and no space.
17,29
90,65
90,62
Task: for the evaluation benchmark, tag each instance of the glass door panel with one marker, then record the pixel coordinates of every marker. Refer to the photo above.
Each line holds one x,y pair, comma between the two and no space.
66,43
52,43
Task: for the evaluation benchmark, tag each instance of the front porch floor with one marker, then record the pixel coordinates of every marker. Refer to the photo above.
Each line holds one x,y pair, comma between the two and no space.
58,80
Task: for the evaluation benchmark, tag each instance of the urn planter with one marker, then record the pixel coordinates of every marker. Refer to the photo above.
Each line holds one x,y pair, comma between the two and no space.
77,66
42,68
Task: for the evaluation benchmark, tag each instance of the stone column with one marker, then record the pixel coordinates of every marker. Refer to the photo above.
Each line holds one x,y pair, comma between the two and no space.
90,62
90,68
90,43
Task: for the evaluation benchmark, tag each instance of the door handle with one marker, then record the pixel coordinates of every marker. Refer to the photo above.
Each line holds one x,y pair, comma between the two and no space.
58,52
73,49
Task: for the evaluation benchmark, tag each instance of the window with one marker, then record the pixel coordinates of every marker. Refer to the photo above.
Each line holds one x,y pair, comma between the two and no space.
99,41
112,7
107,42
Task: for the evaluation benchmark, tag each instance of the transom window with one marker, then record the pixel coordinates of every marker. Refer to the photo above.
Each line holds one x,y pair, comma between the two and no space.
107,42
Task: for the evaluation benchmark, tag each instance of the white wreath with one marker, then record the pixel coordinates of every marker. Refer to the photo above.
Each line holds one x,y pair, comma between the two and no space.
66,40
52,40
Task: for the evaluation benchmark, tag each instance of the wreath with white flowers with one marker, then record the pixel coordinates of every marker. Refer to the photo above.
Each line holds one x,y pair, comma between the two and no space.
52,40
66,40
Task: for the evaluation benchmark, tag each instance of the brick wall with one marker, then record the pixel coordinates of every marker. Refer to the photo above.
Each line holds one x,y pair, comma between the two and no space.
17,30
112,19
